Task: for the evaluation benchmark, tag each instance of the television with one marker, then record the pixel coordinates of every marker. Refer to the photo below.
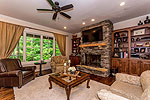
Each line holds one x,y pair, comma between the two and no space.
92,35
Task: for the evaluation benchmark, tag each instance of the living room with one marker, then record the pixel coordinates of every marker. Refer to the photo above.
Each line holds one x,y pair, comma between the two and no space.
74,50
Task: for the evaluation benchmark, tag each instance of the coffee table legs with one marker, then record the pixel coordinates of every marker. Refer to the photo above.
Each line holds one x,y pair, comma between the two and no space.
50,83
68,90
88,83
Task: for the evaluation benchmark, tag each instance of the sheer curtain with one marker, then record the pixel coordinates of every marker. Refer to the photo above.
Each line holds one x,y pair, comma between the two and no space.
61,41
9,37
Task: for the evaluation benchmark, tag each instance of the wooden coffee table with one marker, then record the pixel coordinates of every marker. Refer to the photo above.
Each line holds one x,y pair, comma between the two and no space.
68,81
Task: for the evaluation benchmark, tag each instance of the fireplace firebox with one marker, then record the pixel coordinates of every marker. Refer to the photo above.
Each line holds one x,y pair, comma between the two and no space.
93,60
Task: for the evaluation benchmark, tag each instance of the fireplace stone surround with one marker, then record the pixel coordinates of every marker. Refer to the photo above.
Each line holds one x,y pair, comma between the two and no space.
103,51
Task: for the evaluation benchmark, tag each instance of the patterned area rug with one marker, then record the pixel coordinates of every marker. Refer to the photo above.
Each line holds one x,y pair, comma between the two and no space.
38,89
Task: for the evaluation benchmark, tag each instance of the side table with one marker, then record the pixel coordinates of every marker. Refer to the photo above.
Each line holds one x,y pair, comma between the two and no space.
40,63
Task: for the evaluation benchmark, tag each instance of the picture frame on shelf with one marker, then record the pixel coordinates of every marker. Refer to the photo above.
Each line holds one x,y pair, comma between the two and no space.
142,50
139,32
124,34
136,50
147,44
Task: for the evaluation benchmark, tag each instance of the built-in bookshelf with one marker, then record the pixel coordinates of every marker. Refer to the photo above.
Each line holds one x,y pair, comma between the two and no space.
131,49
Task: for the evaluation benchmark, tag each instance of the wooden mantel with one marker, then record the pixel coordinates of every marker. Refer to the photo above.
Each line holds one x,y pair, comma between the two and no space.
92,45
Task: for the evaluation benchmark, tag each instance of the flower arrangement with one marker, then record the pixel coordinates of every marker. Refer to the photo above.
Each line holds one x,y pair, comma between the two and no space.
72,69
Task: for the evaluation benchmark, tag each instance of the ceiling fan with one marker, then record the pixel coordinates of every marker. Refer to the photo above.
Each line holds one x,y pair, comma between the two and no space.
57,9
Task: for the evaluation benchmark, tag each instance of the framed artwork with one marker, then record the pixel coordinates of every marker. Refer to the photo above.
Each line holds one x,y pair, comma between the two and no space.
123,34
142,50
136,50
139,32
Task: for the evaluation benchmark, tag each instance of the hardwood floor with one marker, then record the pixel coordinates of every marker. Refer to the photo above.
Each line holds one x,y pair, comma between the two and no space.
8,93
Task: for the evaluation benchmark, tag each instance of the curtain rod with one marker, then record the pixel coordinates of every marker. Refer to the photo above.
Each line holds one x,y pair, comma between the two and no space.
33,28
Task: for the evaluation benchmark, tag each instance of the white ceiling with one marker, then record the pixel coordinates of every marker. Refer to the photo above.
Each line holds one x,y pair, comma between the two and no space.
84,10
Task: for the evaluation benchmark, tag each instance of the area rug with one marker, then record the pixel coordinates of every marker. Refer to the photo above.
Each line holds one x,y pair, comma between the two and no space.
38,89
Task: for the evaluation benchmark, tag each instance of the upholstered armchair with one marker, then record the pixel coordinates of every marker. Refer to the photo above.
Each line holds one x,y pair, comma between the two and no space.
13,74
57,63
128,87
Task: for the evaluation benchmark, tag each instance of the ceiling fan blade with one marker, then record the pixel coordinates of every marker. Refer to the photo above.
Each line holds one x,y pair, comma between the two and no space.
65,15
54,16
67,7
45,10
51,3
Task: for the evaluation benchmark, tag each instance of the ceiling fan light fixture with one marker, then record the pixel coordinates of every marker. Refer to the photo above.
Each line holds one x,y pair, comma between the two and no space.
92,20
122,3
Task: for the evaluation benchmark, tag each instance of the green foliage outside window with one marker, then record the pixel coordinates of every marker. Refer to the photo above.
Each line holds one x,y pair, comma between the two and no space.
33,48
47,48
57,51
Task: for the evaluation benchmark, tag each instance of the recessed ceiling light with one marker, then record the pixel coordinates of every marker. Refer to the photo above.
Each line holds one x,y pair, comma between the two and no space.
83,23
65,27
122,3
92,20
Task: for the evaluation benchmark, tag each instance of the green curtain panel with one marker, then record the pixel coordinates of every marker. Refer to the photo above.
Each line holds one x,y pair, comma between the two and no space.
9,37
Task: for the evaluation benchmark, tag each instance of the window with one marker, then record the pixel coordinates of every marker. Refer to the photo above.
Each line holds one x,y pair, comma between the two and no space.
57,51
37,47
33,48
18,51
47,47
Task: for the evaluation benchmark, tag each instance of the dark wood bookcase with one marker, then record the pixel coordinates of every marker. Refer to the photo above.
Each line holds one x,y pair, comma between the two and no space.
131,49
75,46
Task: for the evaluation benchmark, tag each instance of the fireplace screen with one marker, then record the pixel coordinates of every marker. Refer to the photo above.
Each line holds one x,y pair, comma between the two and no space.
93,60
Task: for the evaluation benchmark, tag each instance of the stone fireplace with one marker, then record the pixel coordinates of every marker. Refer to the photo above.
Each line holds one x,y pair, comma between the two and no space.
95,59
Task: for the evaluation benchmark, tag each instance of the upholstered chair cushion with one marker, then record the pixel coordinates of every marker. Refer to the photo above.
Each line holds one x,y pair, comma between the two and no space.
57,63
145,79
133,92
135,80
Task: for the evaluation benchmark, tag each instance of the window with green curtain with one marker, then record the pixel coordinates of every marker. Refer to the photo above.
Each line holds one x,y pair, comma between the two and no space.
57,51
18,51
47,47
33,47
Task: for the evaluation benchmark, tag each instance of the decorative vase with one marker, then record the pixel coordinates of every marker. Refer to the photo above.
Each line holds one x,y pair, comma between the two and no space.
147,20
140,23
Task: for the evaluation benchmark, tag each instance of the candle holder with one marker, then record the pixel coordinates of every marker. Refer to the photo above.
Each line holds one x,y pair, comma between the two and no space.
69,62
65,69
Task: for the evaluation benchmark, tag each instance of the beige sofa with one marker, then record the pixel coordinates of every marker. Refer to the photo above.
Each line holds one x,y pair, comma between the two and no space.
57,63
128,87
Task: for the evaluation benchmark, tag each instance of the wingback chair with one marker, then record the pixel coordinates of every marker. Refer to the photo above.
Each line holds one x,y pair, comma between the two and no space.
13,74
57,63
